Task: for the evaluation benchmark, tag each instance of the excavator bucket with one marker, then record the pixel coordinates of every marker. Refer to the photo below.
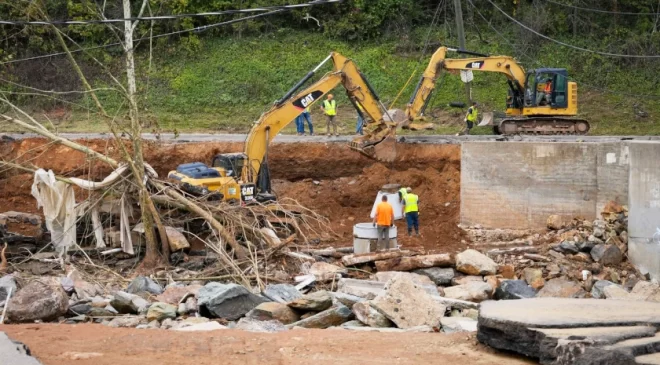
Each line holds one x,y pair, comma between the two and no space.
380,142
487,119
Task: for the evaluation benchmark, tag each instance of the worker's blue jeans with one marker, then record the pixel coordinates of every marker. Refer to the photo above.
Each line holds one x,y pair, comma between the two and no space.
412,218
359,126
300,123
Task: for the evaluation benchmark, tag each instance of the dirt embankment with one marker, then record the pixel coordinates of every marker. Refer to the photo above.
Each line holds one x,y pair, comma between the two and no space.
329,178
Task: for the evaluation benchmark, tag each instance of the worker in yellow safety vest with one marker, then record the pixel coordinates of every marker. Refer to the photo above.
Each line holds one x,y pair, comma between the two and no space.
402,194
411,211
329,108
471,117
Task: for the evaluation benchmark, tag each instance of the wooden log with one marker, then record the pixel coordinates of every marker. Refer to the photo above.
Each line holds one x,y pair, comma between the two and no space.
535,257
375,256
415,262
512,251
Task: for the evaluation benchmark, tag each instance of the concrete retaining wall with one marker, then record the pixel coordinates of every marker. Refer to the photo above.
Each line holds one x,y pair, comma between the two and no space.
518,185
644,206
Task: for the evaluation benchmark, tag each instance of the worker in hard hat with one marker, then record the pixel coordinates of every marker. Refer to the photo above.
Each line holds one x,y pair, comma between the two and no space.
411,211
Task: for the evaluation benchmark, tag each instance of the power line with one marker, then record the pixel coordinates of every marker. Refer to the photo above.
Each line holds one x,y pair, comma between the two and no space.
168,17
567,44
599,10
196,29
536,62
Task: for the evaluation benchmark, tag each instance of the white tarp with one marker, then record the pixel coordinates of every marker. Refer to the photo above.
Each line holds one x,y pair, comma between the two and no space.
60,210
58,202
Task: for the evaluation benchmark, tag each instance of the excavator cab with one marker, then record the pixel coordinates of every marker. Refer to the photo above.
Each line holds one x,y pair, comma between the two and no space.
547,87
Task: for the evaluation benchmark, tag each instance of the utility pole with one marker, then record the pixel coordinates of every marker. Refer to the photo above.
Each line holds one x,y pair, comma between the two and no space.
461,40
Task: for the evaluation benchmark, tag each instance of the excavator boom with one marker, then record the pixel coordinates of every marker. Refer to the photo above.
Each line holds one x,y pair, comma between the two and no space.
285,110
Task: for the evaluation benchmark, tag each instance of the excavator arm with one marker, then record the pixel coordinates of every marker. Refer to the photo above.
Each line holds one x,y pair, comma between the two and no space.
502,64
285,110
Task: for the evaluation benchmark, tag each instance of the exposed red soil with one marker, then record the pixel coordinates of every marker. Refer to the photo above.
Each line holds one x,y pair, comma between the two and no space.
348,185
89,344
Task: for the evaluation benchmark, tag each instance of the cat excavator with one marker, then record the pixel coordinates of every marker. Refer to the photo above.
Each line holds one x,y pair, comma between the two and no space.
245,176
541,101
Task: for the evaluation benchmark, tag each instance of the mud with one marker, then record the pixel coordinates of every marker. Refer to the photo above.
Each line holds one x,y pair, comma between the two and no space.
329,178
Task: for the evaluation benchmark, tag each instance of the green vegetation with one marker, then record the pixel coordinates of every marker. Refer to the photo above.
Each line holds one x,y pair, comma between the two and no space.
223,80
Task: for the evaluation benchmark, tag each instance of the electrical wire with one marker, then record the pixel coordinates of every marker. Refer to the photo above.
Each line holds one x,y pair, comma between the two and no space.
168,17
536,62
600,10
567,44
196,29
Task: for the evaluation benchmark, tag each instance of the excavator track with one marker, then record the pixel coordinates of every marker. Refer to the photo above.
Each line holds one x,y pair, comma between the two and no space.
543,126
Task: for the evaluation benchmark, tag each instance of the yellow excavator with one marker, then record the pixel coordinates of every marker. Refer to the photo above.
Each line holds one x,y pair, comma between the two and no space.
540,101
245,176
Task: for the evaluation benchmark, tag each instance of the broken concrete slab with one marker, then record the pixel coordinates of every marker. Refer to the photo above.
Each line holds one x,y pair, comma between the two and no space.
514,325
408,304
458,324
254,325
473,291
15,353
367,289
385,276
366,314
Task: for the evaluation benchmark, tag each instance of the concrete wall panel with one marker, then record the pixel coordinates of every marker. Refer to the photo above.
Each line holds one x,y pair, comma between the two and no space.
517,185
644,206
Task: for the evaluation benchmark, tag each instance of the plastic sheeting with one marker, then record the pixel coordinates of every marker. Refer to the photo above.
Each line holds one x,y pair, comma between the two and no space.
58,202
59,207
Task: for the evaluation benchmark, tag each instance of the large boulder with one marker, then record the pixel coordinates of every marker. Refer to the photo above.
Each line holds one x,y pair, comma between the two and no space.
42,299
274,311
407,304
317,301
254,325
473,262
561,288
160,311
143,284
439,275
597,291
281,293
474,291
230,301
606,254
7,283
366,314
127,303
514,289
331,317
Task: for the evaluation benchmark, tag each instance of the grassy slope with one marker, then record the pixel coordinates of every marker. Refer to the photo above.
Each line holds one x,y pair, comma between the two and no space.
225,84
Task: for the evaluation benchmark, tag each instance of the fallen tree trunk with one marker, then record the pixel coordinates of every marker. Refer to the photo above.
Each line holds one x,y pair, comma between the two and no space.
415,262
351,260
